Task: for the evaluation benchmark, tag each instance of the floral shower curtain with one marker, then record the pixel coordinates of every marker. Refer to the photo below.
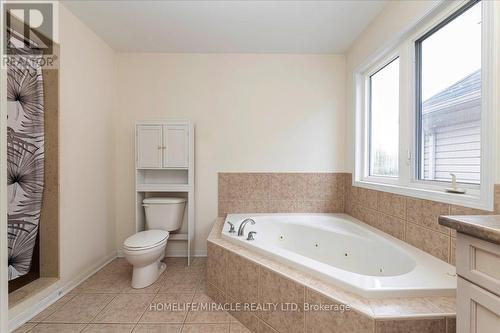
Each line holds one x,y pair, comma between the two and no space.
25,162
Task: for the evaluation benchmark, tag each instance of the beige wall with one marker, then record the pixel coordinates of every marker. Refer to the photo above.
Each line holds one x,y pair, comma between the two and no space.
251,113
86,157
87,232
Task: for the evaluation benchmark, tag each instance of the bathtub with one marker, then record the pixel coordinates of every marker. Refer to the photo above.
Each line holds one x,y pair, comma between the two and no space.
340,249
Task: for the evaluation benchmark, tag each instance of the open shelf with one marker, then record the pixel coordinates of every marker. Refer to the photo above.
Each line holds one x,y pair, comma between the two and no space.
178,237
162,188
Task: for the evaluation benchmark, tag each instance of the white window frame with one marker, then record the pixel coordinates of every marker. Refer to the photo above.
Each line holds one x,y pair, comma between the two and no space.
476,196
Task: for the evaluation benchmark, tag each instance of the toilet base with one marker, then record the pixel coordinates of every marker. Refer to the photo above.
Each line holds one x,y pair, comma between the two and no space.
147,275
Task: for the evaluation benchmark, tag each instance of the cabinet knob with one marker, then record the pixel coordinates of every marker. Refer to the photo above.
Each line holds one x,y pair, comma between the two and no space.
160,147
164,147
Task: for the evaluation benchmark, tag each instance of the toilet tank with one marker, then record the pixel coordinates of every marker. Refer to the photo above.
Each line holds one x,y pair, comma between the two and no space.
164,213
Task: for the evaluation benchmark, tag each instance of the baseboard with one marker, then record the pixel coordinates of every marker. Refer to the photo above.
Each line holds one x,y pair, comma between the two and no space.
55,295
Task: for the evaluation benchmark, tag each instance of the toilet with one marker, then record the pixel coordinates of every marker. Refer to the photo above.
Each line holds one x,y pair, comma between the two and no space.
145,250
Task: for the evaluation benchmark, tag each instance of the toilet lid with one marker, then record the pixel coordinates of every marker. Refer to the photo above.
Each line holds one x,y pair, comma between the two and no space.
146,239
163,200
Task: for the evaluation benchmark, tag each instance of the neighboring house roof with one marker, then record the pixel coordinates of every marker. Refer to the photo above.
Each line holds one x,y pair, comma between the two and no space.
468,88
463,99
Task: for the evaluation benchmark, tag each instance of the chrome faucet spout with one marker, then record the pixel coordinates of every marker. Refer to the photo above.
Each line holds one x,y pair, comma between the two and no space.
241,229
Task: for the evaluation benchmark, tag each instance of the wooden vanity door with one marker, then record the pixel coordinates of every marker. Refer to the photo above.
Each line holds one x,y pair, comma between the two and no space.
149,146
478,310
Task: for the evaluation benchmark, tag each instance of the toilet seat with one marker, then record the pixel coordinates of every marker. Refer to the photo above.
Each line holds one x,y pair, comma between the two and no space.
146,240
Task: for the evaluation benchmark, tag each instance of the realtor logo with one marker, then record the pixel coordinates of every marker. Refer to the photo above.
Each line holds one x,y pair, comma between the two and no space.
28,28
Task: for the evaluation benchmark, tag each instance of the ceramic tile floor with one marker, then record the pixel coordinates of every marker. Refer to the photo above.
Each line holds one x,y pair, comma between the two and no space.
106,303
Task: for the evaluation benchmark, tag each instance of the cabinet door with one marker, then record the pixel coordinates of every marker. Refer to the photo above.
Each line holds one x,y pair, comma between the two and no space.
478,310
176,141
149,146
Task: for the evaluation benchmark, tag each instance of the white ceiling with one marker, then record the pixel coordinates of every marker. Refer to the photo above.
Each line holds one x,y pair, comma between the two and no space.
227,26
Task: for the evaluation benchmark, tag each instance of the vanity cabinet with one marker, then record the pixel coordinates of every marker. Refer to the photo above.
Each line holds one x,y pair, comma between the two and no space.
162,146
478,285
478,310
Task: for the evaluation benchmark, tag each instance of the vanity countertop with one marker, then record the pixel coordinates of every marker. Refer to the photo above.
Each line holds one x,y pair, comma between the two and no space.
486,227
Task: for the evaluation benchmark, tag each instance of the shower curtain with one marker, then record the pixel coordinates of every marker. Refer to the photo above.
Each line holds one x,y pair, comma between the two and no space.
25,161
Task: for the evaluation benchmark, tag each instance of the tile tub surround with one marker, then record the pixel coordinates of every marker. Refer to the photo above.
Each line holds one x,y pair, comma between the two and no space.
106,303
281,193
412,220
239,275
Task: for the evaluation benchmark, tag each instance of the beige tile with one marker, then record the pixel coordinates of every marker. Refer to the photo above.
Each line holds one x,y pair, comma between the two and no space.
179,283
288,186
243,206
426,213
283,206
335,320
447,305
125,308
52,308
57,328
391,204
117,266
205,328
244,186
175,262
451,325
275,288
201,287
318,206
215,294
244,277
106,282
199,261
497,199
157,328
354,195
367,215
265,328
453,250
391,225
80,309
160,313
432,242
109,328
186,271
411,326
246,317
24,328
201,315
324,186
238,328
394,307
367,198
216,266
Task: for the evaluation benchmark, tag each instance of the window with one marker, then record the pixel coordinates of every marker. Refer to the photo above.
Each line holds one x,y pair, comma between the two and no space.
384,120
448,60
422,108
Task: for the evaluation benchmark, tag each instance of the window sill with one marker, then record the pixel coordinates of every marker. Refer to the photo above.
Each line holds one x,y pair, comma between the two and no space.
471,200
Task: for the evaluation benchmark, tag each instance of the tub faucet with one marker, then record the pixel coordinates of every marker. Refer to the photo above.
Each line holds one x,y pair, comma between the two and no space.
250,235
241,229
231,227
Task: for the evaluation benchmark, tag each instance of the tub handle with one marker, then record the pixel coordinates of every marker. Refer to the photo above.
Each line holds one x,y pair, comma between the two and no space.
231,227
250,235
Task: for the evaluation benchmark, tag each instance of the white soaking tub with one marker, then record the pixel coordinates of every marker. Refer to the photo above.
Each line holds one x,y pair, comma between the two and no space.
341,249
